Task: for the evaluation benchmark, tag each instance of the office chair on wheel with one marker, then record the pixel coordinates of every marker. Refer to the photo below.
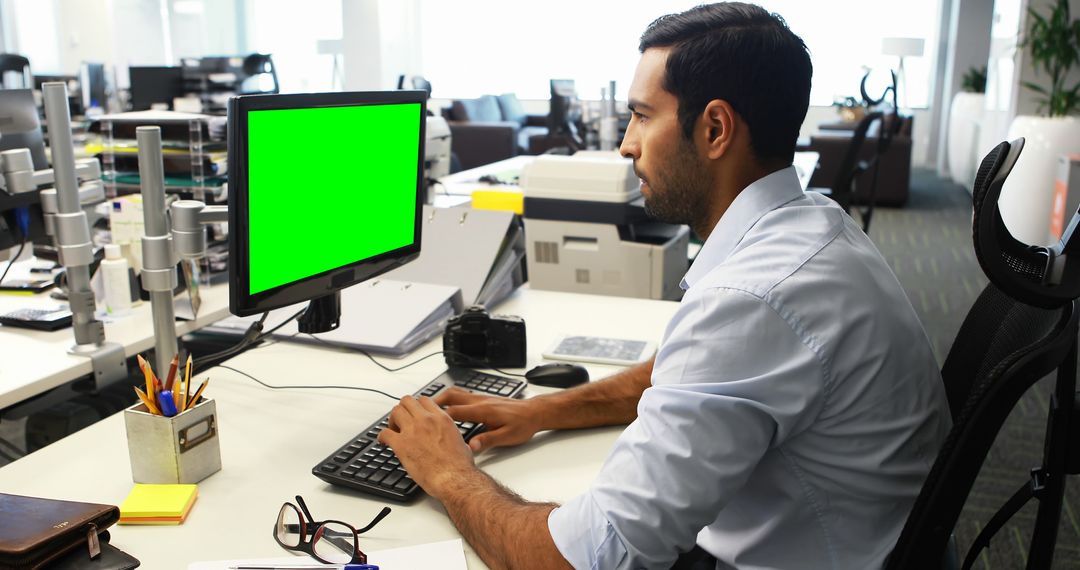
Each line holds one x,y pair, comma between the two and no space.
258,64
1020,329
10,62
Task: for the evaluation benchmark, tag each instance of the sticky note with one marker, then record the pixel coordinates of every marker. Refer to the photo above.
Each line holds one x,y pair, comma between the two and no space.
158,504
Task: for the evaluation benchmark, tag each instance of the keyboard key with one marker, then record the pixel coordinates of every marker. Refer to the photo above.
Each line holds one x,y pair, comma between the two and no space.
375,469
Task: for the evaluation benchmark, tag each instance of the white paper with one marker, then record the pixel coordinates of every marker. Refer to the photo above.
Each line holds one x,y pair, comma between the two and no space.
446,555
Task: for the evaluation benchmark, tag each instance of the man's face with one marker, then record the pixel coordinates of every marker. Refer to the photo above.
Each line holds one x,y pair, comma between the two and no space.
674,180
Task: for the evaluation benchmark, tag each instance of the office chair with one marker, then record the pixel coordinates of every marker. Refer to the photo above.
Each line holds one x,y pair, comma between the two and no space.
10,62
1022,327
851,167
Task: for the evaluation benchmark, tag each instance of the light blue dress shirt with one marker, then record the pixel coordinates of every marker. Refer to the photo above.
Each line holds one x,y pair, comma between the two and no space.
795,407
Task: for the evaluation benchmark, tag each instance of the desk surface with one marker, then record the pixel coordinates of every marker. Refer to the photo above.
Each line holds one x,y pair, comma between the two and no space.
34,362
271,439
465,182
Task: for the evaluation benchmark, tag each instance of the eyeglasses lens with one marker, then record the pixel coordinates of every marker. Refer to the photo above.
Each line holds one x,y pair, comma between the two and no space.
334,543
287,528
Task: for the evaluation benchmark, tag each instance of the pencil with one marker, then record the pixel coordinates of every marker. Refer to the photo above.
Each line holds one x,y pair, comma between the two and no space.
195,397
147,373
172,371
146,400
187,382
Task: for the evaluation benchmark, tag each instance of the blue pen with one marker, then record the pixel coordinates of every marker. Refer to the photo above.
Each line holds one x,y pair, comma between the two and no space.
168,405
306,567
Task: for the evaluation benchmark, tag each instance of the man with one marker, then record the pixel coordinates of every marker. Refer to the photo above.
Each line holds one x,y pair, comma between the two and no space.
794,406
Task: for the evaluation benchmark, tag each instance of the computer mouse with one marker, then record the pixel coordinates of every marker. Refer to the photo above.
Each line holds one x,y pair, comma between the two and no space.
557,375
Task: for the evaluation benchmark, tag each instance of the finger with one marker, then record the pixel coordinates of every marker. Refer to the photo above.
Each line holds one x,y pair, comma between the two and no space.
488,440
388,437
480,413
411,405
430,405
456,396
399,418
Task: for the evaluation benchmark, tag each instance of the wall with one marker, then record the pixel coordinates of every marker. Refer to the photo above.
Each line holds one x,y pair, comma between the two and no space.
968,47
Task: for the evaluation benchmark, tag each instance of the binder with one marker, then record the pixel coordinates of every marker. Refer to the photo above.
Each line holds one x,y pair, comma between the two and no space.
477,251
382,315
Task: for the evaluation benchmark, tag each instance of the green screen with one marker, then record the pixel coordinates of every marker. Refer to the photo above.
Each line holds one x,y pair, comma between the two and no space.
328,187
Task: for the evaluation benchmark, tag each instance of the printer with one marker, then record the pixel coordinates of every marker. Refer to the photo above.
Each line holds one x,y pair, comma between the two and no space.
436,152
586,230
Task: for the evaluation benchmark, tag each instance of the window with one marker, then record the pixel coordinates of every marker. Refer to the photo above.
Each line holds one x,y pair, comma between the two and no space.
290,32
473,47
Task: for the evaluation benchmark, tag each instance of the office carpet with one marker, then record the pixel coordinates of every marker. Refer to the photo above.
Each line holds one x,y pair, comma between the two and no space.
928,245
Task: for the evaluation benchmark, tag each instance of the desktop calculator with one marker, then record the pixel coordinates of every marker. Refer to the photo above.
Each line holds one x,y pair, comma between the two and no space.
39,319
366,465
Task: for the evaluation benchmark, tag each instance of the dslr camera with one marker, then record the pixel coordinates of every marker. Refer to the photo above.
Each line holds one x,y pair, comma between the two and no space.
479,340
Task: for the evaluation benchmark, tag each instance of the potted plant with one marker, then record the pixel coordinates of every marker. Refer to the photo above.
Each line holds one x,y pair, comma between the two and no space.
965,118
1052,42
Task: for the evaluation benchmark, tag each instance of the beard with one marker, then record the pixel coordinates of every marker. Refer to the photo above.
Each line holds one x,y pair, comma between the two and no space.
679,188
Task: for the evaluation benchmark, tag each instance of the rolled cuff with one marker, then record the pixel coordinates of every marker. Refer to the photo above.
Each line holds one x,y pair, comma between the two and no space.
584,535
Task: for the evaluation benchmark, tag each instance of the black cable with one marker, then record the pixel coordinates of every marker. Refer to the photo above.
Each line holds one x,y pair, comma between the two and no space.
241,372
11,262
417,361
251,336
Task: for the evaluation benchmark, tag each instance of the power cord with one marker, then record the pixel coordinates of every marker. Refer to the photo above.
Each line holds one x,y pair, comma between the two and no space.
11,262
417,361
334,387
252,335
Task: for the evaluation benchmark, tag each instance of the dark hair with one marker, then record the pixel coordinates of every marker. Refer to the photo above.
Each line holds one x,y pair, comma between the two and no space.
744,55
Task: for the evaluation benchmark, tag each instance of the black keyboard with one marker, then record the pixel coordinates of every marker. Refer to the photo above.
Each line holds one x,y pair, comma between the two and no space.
366,465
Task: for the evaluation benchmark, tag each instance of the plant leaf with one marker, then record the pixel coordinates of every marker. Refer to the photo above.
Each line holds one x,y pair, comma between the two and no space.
1034,87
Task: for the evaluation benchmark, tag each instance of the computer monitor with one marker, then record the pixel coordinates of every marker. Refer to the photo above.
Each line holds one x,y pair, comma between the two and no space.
325,191
564,112
92,85
20,127
151,85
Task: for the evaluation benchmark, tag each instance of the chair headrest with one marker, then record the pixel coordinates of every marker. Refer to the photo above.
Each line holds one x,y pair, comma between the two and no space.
1037,275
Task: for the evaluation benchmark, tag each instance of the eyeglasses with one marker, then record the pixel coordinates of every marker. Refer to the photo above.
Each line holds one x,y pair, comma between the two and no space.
329,541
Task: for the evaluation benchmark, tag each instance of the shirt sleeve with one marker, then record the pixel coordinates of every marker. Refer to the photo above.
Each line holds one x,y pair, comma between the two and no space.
732,379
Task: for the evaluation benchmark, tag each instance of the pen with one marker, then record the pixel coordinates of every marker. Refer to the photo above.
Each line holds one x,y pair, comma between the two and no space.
168,405
305,567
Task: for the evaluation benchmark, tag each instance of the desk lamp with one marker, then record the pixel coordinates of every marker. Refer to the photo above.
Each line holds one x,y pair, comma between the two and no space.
901,48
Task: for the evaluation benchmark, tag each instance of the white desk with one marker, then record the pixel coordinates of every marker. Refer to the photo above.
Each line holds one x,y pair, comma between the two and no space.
270,440
34,362
465,182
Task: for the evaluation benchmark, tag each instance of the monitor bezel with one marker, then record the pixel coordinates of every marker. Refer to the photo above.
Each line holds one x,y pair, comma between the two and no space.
243,303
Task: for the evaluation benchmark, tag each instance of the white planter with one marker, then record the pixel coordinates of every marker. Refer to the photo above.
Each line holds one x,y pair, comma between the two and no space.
1028,195
965,117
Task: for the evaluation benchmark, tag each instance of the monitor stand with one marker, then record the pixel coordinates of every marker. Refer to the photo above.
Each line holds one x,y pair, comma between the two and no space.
322,315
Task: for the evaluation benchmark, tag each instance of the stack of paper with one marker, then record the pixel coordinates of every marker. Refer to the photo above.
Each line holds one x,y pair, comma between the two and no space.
158,504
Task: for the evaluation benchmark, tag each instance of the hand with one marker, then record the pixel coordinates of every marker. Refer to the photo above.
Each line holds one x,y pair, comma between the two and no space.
508,421
427,443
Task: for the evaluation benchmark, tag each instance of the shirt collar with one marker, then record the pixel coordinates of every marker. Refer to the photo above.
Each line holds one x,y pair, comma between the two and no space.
760,197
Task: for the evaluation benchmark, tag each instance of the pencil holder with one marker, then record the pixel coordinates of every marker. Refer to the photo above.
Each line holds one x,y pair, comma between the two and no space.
181,449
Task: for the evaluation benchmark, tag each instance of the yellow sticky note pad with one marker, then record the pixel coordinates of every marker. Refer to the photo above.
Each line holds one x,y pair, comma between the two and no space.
506,200
158,504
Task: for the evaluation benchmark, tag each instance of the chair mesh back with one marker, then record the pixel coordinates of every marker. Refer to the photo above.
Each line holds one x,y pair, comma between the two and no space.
997,331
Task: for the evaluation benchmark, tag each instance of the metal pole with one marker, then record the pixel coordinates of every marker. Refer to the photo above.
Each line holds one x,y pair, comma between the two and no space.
159,260
72,229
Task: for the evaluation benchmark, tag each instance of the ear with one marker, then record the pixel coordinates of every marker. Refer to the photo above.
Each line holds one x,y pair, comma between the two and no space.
719,128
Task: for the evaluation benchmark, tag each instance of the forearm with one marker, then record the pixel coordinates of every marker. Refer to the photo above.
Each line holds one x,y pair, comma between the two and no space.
611,401
504,529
